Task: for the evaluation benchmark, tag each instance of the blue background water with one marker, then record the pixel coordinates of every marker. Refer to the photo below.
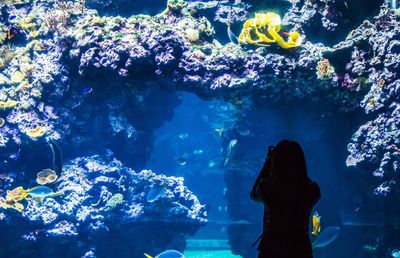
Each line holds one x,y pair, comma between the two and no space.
323,137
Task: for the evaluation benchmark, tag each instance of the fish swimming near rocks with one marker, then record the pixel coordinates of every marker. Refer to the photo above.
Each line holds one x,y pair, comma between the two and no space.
316,221
155,193
57,156
182,161
230,150
231,35
86,90
39,193
167,254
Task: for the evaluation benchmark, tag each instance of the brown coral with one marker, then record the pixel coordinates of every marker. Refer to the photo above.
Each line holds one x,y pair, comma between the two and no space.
46,176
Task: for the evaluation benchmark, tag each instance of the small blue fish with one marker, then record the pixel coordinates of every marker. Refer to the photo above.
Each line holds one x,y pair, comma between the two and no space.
155,193
327,236
167,254
39,193
86,90
182,161
12,17
15,156
232,36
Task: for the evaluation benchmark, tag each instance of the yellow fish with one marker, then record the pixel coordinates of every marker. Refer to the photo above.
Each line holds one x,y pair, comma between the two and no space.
316,222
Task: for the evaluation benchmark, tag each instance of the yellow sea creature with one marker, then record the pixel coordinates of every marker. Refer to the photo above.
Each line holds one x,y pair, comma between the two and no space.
17,194
263,31
17,77
46,176
2,122
316,221
8,104
371,103
18,206
36,132
12,205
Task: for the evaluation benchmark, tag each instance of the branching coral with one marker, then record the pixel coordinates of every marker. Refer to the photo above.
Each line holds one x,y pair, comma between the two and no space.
175,6
264,29
28,25
58,18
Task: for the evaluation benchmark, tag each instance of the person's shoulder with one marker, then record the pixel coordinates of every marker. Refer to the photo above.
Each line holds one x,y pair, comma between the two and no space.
267,181
314,187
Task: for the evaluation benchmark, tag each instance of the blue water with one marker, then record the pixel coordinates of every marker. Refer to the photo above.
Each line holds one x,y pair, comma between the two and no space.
322,150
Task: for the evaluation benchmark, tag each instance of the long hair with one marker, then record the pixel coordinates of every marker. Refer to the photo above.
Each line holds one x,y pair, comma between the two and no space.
289,164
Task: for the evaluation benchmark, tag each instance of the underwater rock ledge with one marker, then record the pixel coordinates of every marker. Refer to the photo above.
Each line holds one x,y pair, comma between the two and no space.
103,200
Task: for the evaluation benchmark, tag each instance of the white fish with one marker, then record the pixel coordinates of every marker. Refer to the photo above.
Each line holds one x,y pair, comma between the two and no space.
230,151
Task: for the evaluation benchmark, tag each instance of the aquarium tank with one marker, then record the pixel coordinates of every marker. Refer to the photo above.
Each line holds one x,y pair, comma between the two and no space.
136,128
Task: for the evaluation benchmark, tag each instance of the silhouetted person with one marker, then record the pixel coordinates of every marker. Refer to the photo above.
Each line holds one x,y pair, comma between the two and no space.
289,197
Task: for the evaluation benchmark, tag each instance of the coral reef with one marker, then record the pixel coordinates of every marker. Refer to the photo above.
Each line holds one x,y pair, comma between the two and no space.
72,220
52,54
375,146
